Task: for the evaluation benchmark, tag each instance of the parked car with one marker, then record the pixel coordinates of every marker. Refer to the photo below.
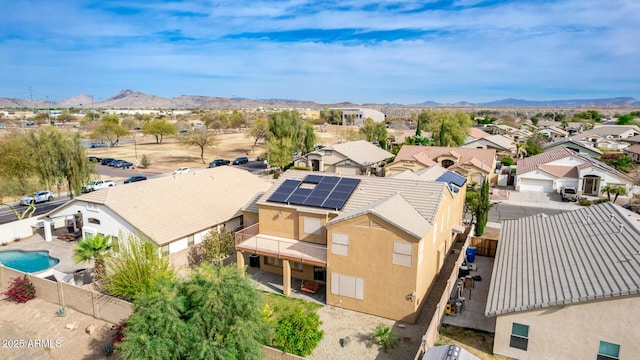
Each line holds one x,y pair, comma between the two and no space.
241,160
219,162
181,170
124,165
116,163
94,159
38,197
94,185
135,179
106,161
569,194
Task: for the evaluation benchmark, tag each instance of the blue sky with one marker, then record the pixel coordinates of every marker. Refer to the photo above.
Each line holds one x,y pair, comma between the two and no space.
330,51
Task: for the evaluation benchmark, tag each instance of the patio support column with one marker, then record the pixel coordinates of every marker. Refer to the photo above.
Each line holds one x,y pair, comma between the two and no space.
47,230
286,277
240,260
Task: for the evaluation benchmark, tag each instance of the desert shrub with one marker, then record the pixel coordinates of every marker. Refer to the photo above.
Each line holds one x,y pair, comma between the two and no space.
385,337
298,333
585,202
21,290
600,201
145,162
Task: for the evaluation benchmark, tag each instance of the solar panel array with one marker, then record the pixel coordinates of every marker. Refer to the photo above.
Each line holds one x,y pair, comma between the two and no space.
329,192
450,177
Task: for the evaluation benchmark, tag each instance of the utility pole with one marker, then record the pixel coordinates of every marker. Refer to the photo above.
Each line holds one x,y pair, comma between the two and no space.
33,109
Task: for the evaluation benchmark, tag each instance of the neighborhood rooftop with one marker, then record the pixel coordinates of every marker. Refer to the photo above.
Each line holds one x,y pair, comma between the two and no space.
427,155
171,207
583,255
534,162
362,152
571,141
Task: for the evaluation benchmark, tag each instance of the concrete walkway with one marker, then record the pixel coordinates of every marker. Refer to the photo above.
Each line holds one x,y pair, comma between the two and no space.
476,300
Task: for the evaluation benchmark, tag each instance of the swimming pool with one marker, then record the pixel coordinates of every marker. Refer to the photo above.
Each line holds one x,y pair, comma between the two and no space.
27,261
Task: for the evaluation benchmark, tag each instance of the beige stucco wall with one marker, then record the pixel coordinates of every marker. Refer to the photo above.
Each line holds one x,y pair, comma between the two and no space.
401,166
575,331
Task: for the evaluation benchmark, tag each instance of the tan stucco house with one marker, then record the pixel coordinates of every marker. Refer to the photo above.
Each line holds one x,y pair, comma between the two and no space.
473,164
373,244
174,212
350,158
567,286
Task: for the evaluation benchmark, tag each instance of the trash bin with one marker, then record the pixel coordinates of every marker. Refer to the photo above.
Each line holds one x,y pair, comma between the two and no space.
471,254
254,260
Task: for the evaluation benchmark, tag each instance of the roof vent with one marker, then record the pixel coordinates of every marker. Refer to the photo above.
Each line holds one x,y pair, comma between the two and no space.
612,216
621,227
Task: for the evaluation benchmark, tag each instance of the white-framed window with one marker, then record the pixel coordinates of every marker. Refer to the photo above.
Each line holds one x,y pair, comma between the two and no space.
608,351
348,286
340,243
519,336
402,253
312,225
271,261
92,207
297,266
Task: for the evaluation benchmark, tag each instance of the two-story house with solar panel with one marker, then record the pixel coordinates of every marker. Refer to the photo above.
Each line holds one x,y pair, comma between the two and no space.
373,244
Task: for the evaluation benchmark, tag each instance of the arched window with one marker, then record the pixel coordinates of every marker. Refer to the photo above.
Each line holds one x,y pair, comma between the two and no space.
447,163
94,221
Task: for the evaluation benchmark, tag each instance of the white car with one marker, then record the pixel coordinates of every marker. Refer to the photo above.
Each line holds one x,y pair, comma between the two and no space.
181,170
38,197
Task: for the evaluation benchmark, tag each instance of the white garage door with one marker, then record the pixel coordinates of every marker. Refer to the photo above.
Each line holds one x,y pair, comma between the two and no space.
536,185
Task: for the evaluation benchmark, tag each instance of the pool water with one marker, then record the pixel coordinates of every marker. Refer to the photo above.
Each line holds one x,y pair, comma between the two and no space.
27,261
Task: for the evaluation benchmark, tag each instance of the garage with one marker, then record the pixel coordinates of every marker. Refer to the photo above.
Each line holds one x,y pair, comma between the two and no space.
536,185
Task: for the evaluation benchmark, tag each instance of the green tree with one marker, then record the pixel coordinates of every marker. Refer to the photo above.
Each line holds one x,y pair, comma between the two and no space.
217,246
533,146
214,314
373,131
286,131
298,333
591,115
237,119
96,247
448,128
619,190
258,131
159,128
279,152
109,129
625,119
200,138
136,269
477,204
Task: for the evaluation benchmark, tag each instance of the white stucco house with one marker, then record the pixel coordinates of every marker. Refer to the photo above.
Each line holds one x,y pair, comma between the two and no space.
174,212
350,158
562,167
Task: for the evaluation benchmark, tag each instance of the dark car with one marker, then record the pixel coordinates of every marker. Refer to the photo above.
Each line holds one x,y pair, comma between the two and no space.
106,161
94,159
124,165
135,178
241,160
219,162
116,163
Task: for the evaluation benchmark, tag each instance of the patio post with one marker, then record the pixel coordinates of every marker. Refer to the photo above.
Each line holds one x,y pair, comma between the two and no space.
47,230
286,277
240,259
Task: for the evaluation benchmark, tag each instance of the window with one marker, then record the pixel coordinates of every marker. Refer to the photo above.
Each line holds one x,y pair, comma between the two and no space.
93,221
340,244
296,266
519,336
190,240
608,351
312,225
271,261
402,253
92,207
348,286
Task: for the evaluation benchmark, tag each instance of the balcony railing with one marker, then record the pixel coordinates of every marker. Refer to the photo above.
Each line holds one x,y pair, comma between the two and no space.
283,248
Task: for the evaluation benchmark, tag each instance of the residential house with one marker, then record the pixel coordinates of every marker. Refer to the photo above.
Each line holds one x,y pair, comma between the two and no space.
350,158
553,133
609,137
174,212
633,140
502,144
357,116
570,127
582,147
633,152
517,135
566,286
373,244
563,167
474,164
475,134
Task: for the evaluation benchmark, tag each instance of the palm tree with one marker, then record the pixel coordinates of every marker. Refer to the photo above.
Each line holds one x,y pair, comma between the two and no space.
609,190
619,190
96,248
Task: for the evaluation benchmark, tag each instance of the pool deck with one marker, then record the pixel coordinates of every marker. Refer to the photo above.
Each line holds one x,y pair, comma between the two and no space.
59,249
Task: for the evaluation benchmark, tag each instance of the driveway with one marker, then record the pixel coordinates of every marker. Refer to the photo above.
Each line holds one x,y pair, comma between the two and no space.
537,200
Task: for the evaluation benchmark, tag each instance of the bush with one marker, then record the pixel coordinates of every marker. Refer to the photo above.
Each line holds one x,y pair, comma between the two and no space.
507,161
20,290
385,337
306,168
600,201
298,333
585,202
145,161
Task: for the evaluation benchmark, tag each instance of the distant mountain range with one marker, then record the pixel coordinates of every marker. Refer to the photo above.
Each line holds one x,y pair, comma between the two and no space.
128,99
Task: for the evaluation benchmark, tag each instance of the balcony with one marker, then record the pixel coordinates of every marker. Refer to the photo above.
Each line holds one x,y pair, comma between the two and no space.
250,240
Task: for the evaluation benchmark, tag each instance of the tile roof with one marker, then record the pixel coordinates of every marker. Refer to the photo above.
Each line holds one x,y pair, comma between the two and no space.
171,207
558,130
606,130
424,196
588,254
634,139
634,149
553,144
362,152
477,133
560,171
429,154
395,210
